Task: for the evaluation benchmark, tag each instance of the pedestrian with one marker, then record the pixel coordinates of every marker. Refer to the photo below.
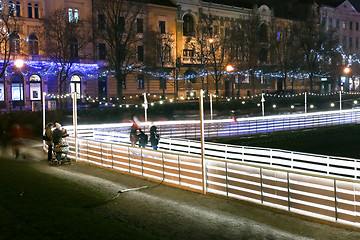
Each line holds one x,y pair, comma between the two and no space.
48,136
16,139
143,139
57,137
154,137
133,135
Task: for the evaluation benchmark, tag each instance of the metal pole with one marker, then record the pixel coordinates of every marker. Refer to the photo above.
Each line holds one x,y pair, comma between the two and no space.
75,123
145,106
43,116
202,140
211,108
340,100
262,104
305,102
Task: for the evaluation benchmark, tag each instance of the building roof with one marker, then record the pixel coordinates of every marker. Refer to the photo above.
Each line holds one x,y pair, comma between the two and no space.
168,3
335,3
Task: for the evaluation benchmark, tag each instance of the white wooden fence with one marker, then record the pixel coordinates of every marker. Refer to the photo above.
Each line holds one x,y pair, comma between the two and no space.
327,198
228,127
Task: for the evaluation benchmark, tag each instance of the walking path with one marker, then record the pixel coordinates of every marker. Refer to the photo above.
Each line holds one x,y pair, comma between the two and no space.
172,213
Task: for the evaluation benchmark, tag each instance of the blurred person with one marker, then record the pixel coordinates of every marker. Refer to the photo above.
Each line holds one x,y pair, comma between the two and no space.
48,136
133,135
16,142
133,130
154,136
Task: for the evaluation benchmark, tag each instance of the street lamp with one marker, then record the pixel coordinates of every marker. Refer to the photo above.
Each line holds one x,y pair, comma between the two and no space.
229,68
347,71
19,63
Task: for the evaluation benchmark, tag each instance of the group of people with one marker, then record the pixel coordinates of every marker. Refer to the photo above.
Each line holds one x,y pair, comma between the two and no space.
142,138
53,138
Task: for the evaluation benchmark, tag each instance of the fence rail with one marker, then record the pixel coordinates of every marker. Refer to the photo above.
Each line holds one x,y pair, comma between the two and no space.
331,199
228,127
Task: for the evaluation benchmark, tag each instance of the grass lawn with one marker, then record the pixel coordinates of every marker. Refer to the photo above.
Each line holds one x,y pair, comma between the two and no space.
35,205
340,140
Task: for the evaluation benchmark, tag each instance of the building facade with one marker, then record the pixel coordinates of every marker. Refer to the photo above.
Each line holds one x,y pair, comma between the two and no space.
180,47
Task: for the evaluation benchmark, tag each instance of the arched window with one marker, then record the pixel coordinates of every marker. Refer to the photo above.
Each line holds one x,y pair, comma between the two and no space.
33,45
15,43
167,53
263,33
18,13
36,11
11,8
75,85
30,10
35,87
188,25
71,15
76,15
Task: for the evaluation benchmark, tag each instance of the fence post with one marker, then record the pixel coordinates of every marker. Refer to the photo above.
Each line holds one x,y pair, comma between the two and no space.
261,186
179,169
336,204
163,163
227,183
101,151
87,145
142,162
288,187
129,160
112,157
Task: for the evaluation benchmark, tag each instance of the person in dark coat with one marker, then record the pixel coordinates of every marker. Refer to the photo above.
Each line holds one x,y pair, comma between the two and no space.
49,142
57,136
154,137
143,139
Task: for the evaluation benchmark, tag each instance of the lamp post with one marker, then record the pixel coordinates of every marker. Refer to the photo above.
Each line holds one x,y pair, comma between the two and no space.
230,68
346,71
19,63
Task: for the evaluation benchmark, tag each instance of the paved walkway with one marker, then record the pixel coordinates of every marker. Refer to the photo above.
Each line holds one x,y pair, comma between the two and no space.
172,213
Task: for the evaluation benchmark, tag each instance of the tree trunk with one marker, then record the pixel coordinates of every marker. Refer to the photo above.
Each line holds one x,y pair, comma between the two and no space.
119,79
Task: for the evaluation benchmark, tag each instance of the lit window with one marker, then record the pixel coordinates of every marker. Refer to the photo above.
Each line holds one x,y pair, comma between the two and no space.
76,15
75,85
35,87
1,91
17,93
141,81
71,16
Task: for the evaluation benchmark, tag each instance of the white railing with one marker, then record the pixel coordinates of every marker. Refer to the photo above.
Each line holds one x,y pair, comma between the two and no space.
227,127
277,158
313,195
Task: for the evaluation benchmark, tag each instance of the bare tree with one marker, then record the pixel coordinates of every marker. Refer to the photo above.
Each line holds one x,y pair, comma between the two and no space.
285,49
65,40
117,27
249,32
9,44
211,49
317,43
